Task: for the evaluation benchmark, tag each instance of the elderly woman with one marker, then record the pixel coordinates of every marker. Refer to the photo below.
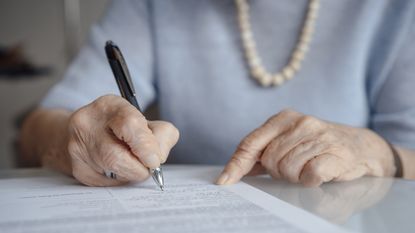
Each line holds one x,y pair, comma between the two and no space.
223,69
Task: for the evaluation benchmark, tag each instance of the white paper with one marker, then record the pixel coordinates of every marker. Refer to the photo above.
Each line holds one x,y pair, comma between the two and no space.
190,203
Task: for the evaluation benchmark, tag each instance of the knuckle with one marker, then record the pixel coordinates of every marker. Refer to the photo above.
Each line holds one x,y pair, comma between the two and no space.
272,121
326,137
237,162
247,147
306,120
79,119
103,102
105,99
288,112
283,114
309,122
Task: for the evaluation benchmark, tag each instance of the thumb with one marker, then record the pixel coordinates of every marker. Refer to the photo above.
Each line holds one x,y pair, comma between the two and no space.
167,136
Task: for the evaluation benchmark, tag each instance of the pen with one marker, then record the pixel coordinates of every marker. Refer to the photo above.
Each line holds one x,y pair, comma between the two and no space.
123,79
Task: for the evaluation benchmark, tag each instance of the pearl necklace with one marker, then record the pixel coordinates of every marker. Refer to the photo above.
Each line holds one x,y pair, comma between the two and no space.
257,70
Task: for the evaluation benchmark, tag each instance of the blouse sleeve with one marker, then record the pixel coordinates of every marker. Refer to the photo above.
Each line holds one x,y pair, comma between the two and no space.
89,76
393,95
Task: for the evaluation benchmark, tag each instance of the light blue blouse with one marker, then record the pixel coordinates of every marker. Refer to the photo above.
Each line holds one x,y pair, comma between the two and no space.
186,55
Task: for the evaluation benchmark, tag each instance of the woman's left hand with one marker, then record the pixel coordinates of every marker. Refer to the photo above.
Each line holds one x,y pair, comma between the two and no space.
304,149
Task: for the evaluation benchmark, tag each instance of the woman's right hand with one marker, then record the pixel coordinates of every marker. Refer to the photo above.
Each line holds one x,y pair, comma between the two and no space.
110,134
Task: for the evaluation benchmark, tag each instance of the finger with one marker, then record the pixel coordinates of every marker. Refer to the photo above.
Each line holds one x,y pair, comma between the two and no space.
323,168
258,169
278,148
293,162
88,176
131,127
167,136
114,156
251,147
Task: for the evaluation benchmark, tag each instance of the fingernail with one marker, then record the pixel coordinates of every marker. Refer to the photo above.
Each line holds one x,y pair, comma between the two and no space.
223,178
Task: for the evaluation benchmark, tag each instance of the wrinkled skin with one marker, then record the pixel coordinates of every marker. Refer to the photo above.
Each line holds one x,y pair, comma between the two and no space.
307,150
111,135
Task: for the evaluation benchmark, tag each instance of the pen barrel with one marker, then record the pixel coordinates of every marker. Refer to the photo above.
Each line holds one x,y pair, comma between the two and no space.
132,100
123,86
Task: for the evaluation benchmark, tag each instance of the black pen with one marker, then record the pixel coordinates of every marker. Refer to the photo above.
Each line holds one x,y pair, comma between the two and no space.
123,78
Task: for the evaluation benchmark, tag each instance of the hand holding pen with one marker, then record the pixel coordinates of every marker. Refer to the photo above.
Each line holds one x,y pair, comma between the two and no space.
126,87
110,142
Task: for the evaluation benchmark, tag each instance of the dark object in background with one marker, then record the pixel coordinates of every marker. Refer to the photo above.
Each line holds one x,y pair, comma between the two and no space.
14,65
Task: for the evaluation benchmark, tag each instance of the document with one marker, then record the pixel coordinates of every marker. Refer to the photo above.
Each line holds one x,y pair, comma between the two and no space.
190,203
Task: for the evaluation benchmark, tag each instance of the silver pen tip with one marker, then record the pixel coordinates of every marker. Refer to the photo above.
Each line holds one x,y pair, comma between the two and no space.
157,175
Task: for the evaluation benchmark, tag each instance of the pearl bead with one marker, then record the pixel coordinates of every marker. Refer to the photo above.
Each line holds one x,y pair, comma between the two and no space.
288,73
249,45
302,47
251,54
295,65
305,38
311,16
308,30
266,80
247,36
314,5
258,71
277,79
299,55
256,61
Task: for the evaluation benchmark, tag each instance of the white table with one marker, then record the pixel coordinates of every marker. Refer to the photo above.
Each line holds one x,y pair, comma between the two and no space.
366,205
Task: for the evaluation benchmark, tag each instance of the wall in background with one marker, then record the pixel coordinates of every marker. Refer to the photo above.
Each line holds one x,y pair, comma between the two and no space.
39,27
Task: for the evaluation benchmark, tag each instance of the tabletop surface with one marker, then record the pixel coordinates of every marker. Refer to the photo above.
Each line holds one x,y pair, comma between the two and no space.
368,204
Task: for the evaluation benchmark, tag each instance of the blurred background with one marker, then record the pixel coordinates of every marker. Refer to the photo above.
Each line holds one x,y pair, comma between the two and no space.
37,41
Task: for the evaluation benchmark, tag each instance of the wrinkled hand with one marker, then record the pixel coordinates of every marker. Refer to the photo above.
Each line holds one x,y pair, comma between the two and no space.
304,149
112,135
